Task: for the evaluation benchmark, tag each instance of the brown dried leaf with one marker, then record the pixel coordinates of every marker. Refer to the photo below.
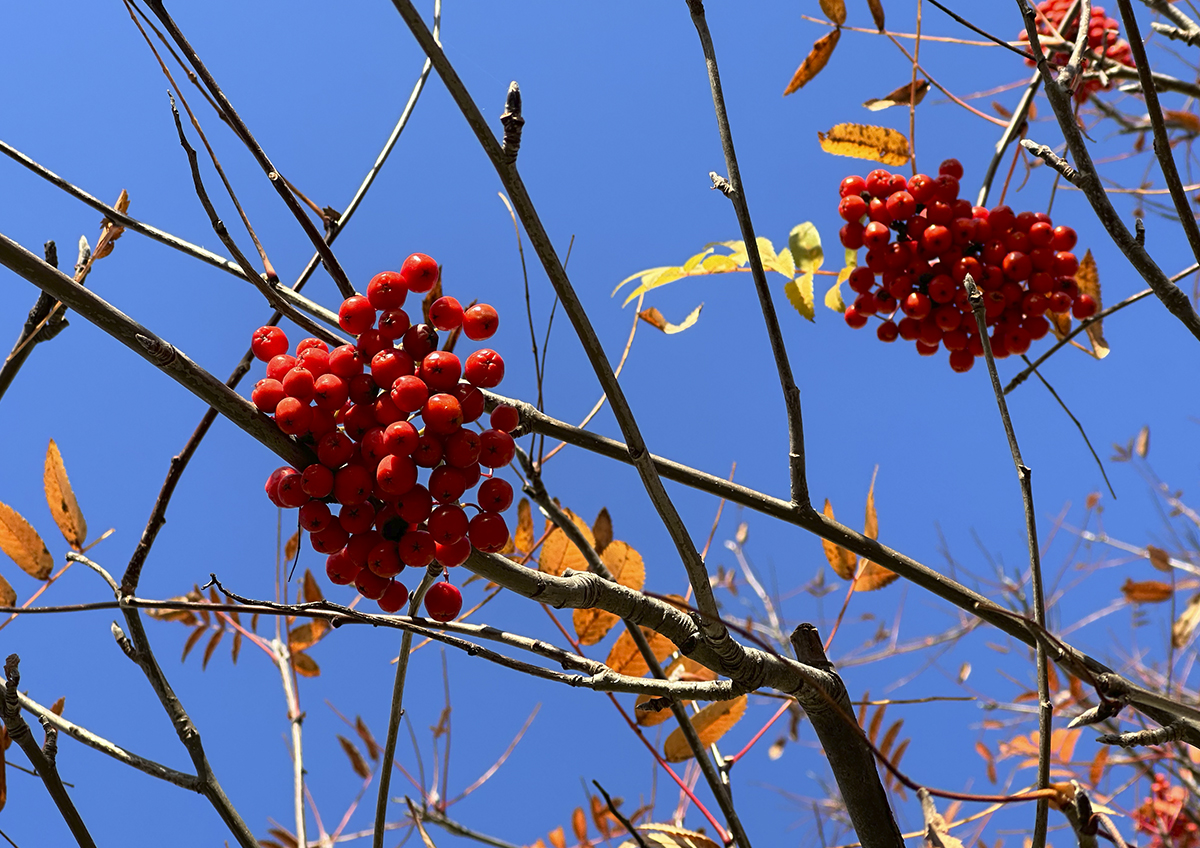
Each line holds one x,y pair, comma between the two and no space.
305,665
983,751
579,824
8,595
191,641
20,541
814,62
523,537
1185,625
877,13
1096,770
312,590
842,561
211,646
291,547
237,646
1146,591
711,724
58,706
1178,119
602,530
1159,558
356,758
876,723
1060,323
109,230
1141,445
284,836
626,566
303,637
1001,110
364,733
625,658
835,10
889,738
557,837
872,576
558,553
860,141
1087,277
903,96
669,836
655,319
61,499
603,817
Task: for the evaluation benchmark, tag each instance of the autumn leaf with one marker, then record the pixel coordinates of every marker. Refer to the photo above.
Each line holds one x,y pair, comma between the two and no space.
356,758
835,10
842,561
305,665
800,295
872,575
655,319
557,837
1178,119
305,636
1159,558
625,658
804,243
626,566
984,752
211,647
814,62
1185,625
602,530
523,537
1141,444
859,141
877,13
1146,591
110,231
1087,277
291,547
907,94
1096,771
559,553
8,596
669,836
61,499
579,824
20,541
711,723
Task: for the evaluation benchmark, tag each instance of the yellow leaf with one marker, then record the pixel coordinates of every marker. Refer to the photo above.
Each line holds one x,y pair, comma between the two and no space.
669,836
833,297
721,264
558,553
625,658
61,499
21,542
1146,591
782,264
800,295
655,318
523,537
8,596
737,256
1087,277
711,723
626,566
653,281
306,666
766,250
903,96
842,561
1184,626
649,272
804,242
695,260
859,141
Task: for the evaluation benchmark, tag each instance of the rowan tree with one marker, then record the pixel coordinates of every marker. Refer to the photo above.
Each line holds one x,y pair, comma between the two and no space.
683,634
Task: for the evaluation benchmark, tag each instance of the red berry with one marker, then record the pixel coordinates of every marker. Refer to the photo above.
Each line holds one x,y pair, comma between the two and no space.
293,417
409,393
854,318
916,305
386,411
1017,266
484,368
442,413
357,518
440,370
1064,238
317,480
446,313
356,315
496,495
453,554
851,208
362,389
428,452
335,449
315,360
352,485
393,324
419,341
901,206
340,570
1084,307
419,272
370,342
389,365
394,597
290,492
926,349
370,585
400,438
371,447
447,484
461,448
415,505
448,524
346,361
851,236
331,540
1065,264
496,448
416,548
384,559
396,474
279,366
951,167
1060,302
471,475
267,394
272,485
480,322
268,342
1036,326
443,602
359,420
299,383
387,291
861,280
936,240
488,532
853,185
909,329
330,392
471,400
505,418
876,235
315,516
360,545
961,360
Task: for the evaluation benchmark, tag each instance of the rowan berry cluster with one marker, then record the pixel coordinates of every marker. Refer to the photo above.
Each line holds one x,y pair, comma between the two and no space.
357,404
922,241
1102,40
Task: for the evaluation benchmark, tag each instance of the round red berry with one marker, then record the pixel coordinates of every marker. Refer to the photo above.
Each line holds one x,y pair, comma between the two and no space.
356,315
419,341
852,185
443,602
317,480
952,168
299,383
416,548
442,413
852,208
394,597
335,449
505,418
330,392
384,559
488,532
293,416
272,484
440,370
448,524
279,366
396,474
268,342
461,448
496,495
419,272
389,365
315,516
496,448
446,313
340,570
480,322
356,518
290,492
267,394
961,360
484,368
331,540
400,438
409,393
428,451
387,291
346,361
1084,307
855,318
885,332
352,485
393,324
453,554
415,505
370,585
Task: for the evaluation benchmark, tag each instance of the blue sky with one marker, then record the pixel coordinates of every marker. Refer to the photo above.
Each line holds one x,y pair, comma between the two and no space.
618,143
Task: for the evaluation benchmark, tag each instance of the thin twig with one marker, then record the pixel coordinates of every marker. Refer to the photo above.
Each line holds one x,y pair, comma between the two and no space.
283,661
544,247
958,18
737,195
625,823
1024,477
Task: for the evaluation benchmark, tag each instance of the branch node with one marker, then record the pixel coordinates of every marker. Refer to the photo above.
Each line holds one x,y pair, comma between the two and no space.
1172,732
1139,232
721,184
124,643
161,353
50,747
1052,159
513,124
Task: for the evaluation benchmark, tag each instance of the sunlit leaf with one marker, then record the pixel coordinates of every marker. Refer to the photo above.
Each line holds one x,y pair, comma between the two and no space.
1159,558
1096,770
711,723
523,537
905,95
579,824
1141,444
557,837
1179,119
192,639
61,499
782,264
20,541
804,243
814,62
722,264
626,566
877,13
305,665
110,231
8,595
1087,277
1146,591
356,758
603,817
655,318
647,717
656,277
291,547
833,297
1185,625
842,561
304,636
559,553
873,575
625,658
669,836
990,760
602,530
835,10
859,141
800,295
696,260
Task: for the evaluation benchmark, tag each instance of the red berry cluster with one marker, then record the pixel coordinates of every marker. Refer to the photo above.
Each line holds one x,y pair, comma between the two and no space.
923,240
1102,39
1160,816
356,404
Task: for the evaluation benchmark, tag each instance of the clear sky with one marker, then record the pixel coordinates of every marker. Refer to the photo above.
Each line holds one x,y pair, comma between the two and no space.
619,140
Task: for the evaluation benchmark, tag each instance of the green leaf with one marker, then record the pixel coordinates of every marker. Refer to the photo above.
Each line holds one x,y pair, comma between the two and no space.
800,294
851,258
805,244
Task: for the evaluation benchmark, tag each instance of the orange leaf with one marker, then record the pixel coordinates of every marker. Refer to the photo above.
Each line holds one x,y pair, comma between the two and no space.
20,541
1146,591
711,723
523,537
907,94
303,637
649,718
557,838
356,758
579,824
872,576
842,561
291,547
364,733
860,141
602,530
983,751
305,665
61,499
625,658
1096,771
1087,277
626,566
8,595
558,553
816,59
